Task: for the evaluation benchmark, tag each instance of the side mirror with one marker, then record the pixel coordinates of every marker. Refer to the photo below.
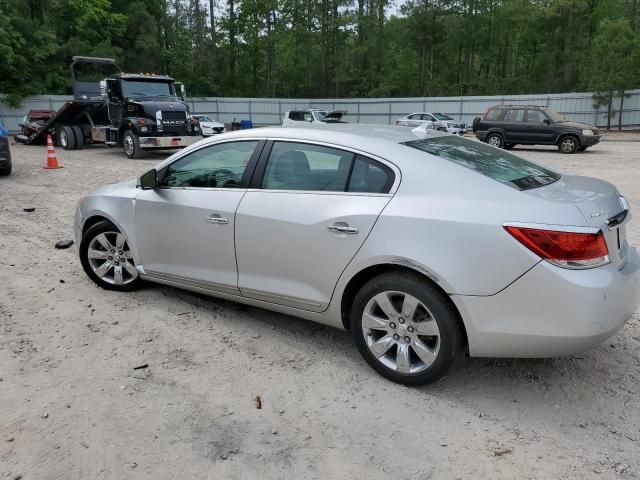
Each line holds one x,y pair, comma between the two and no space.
546,121
148,180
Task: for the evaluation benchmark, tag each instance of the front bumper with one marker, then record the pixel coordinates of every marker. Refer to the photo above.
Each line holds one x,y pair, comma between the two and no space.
551,311
589,140
169,142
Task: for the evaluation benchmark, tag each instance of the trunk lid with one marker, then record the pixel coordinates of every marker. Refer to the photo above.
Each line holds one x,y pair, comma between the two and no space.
600,204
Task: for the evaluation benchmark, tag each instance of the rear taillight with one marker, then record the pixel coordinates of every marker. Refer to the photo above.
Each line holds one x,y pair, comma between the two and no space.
565,249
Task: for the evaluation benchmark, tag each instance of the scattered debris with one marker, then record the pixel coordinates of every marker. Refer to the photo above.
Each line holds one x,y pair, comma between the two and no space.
500,451
274,431
140,367
29,209
45,415
64,244
62,281
93,328
10,439
258,402
84,444
443,444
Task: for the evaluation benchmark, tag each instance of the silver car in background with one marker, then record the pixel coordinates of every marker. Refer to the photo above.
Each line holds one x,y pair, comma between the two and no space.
423,248
433,121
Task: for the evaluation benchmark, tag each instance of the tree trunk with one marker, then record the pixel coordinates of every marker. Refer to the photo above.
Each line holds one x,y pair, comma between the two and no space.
214,41
620,111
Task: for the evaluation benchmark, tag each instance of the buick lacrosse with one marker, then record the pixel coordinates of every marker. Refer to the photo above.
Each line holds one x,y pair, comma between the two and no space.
423,248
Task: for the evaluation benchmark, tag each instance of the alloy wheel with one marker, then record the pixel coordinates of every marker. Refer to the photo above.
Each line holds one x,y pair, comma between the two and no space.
128,145
401,332
110,258
494,141
568,145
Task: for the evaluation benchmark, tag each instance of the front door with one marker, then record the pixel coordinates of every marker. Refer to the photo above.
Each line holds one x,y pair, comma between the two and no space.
185,226
537,130
310,212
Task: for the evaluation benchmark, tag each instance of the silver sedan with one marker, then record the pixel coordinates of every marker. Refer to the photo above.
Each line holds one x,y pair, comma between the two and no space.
424,248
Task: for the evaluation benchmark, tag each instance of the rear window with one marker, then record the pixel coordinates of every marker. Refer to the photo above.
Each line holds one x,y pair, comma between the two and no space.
499,165
494,114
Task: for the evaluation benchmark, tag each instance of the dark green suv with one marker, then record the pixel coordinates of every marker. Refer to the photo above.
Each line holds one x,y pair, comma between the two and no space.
5,153
506,126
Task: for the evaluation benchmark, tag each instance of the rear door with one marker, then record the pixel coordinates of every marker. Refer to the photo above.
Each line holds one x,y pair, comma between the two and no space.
514,126
310,208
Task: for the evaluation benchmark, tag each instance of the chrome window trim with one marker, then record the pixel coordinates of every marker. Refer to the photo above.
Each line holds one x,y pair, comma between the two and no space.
321,192
557,228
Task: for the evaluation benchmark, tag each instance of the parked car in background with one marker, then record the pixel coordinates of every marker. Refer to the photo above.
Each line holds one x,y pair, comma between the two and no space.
435,121
506,126
208,126
5,152
421,247
316,116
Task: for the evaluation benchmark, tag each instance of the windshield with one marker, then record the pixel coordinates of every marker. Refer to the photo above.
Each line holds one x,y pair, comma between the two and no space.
203,118
554,116
142,88
320,115
497,164
442,116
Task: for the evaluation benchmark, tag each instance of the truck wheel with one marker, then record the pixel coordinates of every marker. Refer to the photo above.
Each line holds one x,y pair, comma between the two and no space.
67,138
131,145
79,136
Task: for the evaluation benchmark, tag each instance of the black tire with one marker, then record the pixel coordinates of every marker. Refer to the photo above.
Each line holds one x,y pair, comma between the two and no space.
67,138
6,170
79,136
132,149
444,314
509,146
495,139
103,227
476,124
568,144
441,129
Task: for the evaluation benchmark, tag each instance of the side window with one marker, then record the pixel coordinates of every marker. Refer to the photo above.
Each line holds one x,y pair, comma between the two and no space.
426,116
514,115
535,116
307,117
296,115
494,114
415,116
301,166
370,176
217,166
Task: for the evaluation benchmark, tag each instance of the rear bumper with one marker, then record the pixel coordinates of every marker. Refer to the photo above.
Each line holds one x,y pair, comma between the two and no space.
552,311
169,142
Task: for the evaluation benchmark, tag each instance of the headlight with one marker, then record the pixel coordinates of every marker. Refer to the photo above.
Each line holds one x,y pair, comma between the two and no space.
587,133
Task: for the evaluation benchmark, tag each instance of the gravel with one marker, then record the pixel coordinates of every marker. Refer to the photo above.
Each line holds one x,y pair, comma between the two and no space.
69,348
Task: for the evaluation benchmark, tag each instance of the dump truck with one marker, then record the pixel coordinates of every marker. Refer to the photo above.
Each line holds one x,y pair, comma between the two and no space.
134,111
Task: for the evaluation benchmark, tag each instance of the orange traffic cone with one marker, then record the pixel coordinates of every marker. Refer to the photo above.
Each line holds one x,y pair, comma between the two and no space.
52,161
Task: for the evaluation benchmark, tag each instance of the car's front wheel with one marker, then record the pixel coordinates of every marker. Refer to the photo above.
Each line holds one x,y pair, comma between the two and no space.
106,258
568,145
495,140
405,328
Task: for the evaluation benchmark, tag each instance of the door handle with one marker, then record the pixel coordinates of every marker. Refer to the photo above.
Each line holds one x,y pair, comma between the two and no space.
216,219
341,227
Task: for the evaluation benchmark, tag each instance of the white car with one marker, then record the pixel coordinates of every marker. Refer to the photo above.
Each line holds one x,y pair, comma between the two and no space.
313,116
423,248
209,126
435,121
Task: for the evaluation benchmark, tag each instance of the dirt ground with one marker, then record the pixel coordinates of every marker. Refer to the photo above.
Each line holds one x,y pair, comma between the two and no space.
73,407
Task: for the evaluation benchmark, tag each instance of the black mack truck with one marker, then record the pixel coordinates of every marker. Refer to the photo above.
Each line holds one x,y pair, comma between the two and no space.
137,112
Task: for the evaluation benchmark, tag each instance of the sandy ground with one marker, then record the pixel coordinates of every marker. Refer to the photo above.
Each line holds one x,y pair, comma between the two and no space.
72,407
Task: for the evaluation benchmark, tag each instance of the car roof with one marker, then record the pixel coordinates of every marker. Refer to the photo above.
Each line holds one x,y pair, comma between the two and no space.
346,134
519,106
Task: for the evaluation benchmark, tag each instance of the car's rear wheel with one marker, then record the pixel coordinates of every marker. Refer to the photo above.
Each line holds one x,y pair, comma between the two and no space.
495,140
405,328
568,144
106,258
